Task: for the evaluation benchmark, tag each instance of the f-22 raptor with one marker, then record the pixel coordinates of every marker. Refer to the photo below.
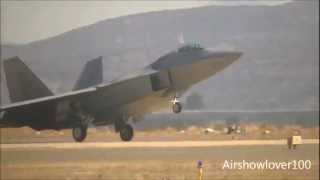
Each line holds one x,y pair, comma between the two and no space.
114,103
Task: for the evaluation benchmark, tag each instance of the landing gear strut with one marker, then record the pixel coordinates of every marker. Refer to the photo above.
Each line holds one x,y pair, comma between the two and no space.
176,106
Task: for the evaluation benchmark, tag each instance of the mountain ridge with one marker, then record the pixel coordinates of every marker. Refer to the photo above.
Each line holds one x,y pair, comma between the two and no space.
278,44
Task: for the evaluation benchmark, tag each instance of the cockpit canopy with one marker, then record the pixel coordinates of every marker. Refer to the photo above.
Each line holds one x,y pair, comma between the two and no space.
190,47
183,55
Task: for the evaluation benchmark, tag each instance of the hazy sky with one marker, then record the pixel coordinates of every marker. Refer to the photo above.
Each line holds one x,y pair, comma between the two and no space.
27,21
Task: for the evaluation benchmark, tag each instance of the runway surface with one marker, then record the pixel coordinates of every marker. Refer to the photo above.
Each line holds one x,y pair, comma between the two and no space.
151,144
152,160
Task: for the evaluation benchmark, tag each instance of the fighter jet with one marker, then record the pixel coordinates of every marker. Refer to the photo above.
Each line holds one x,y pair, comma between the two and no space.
92,101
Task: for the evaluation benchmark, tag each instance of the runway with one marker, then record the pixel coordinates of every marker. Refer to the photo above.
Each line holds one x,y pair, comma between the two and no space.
151,144
152,160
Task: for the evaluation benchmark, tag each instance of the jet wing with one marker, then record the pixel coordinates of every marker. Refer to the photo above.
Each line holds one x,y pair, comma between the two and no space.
56,98
108,89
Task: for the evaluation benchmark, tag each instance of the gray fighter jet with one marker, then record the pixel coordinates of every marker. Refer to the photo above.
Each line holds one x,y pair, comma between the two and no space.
93,102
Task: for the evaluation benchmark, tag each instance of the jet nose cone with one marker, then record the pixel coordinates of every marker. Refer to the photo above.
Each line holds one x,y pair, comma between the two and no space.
226,56
222,59
236,55
233,56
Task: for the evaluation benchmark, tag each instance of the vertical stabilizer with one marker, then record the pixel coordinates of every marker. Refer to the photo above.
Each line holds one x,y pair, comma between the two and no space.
91,74
22,83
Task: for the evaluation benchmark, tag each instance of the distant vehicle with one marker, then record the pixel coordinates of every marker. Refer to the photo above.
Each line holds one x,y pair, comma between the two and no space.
113,103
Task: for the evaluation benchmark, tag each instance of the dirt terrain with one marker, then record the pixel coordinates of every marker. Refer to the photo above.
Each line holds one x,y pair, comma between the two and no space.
155,154
152,162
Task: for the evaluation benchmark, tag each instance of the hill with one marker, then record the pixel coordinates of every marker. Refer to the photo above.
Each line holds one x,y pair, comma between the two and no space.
278,70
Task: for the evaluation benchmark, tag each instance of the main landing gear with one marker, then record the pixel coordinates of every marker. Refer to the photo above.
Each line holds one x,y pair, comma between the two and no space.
81,121
125,130
176,105
79,132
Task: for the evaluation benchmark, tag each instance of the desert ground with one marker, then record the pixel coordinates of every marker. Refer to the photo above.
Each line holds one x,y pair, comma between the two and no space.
152,162
155,154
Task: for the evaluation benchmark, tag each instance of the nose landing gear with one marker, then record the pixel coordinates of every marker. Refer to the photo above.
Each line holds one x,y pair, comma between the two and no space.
176,106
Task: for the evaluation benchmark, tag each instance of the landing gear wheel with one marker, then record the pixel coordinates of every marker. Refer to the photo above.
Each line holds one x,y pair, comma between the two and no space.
79,133
126,132
176,107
